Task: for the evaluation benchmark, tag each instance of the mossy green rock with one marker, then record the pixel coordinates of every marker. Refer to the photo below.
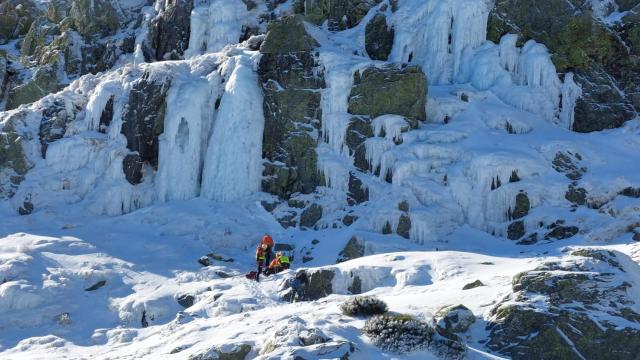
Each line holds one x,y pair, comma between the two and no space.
44,82
378,38
353,250
8,26
565,325
389,90
36,39
522,206
287,35
94,17
340,14
13,162
290,83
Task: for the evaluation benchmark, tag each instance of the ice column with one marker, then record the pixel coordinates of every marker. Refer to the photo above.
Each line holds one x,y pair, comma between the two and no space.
571,92
180,157
233,163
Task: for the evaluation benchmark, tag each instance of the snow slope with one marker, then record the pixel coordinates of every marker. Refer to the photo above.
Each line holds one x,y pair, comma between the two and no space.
493,110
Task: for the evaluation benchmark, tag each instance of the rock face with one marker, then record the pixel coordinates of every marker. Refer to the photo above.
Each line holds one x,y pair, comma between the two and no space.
378,39
389,90
13,162
55,118
142,123
584,300
320,284
94,17
376,92
170,31
340,14
605,65
291,77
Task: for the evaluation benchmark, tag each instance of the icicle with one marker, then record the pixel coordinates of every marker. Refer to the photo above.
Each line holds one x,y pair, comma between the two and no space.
392,125
335,118
375,149
334,169
571,92
509,53
469,28
233,164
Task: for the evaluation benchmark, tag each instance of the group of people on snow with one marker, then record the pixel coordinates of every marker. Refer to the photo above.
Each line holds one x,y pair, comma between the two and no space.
269,264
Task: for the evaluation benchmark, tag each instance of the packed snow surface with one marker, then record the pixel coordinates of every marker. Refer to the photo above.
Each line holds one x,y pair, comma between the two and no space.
498,115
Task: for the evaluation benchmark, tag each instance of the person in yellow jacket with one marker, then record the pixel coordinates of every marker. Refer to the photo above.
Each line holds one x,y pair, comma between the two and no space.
280,263
261,259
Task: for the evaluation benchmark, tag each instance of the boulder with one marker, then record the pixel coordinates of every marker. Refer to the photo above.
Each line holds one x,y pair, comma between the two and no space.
453,319
96,286
378,38
569,164
389,90
473,285
352,250
225,352
186,300
320,284
310,216
550,313
576,195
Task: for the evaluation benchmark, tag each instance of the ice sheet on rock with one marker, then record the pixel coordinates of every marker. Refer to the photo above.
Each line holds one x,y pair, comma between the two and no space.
448,27
334,168
233,162
215,24
182,145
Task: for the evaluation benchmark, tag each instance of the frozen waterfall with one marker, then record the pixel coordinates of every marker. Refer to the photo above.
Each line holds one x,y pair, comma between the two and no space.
233,163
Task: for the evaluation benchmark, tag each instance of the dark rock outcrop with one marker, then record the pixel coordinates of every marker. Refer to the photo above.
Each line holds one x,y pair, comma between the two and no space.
582,305
378,38
169,32
291,77
55,118
142,123
352,250
13,162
